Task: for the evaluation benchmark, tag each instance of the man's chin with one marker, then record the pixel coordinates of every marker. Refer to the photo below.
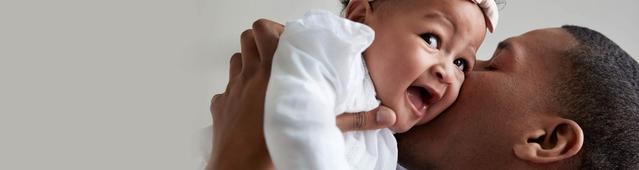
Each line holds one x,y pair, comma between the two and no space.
409,155
416,165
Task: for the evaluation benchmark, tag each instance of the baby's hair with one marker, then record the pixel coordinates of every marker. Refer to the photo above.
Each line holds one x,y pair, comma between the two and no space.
345,3
500,3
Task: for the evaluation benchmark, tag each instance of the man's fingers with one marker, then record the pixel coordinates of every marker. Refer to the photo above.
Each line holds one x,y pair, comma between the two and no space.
214,102
234,71
215,99
236,66
250,55
267,35
381,117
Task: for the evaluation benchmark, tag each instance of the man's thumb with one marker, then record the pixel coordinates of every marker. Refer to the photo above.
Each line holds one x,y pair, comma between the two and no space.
381,117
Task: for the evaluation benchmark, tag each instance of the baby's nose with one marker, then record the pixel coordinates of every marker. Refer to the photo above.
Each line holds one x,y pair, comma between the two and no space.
443,73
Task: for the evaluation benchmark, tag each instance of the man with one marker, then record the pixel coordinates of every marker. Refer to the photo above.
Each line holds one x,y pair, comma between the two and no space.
559,98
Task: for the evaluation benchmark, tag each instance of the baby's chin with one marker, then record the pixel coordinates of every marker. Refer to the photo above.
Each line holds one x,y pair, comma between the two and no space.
400,128
404,123
407,120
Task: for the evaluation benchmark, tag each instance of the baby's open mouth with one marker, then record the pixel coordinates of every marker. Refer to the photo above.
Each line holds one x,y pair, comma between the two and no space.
421,98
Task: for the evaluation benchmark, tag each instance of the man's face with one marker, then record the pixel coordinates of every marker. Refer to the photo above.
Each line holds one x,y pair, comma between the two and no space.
498,99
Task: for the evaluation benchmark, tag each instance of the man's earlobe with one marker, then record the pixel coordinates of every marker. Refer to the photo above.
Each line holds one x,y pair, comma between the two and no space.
558,140
356,10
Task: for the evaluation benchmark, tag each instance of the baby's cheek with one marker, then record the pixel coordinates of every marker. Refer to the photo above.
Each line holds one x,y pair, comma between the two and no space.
451,95
448,99
453,89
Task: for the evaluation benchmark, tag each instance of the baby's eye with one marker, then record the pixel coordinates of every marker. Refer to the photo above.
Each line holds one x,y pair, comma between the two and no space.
461,64
431,39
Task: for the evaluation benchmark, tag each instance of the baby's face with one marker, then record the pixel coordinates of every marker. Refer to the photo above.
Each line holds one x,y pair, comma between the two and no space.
421,52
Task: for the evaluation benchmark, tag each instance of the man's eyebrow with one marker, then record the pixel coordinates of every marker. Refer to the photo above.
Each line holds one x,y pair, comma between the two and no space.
504,44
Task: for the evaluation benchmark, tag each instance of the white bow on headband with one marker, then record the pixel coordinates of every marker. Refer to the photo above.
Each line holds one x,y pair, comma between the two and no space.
491,12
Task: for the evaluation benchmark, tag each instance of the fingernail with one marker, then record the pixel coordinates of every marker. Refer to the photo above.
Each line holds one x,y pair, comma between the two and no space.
385,116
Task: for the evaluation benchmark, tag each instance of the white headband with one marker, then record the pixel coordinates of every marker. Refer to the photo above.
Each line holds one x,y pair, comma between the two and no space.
491,12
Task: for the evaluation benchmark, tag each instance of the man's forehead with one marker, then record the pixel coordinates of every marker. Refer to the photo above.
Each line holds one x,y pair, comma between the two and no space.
542,43
539,52
550,38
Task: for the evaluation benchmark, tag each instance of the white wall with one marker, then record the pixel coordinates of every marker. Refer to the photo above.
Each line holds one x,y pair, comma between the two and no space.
617,19
123,84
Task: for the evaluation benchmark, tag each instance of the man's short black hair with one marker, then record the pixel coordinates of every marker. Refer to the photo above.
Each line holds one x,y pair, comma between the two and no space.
344,3
600,91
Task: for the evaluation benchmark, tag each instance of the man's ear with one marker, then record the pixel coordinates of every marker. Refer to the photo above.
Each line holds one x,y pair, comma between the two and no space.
357,10
554,140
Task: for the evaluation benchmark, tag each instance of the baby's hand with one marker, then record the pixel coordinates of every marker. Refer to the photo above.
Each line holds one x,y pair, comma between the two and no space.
381,117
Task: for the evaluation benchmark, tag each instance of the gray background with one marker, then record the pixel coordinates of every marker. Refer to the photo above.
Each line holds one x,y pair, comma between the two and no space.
125,84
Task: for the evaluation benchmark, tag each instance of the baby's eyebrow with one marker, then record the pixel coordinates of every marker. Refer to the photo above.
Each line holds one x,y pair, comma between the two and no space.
442,18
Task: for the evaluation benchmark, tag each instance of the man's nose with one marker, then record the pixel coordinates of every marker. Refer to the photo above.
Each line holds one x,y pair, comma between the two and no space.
443,73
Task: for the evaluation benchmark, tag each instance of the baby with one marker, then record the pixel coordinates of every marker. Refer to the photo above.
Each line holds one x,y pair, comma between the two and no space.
412,55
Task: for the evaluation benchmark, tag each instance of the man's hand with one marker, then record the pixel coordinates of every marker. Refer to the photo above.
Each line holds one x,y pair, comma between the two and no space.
238,137
238,112
381,117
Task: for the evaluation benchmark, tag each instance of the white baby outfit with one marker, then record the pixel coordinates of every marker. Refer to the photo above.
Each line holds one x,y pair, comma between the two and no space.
318,73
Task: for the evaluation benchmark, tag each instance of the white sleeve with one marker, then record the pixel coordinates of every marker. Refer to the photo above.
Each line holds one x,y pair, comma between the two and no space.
309,66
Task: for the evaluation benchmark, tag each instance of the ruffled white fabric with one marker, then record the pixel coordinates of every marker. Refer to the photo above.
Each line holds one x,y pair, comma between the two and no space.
491,12
318,73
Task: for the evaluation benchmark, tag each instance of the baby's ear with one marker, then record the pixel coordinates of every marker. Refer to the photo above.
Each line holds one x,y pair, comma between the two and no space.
357,10
552,141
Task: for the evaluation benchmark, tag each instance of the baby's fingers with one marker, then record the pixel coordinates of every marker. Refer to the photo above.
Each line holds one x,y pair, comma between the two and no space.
381,117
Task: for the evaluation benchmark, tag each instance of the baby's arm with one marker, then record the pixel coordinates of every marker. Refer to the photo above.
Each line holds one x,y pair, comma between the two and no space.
302,94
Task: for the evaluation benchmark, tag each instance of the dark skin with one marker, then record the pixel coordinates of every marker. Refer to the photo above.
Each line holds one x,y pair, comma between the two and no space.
515,132
505,117
234,125
238,112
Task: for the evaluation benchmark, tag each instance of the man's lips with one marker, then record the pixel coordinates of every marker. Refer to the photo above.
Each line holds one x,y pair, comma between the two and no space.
421,97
